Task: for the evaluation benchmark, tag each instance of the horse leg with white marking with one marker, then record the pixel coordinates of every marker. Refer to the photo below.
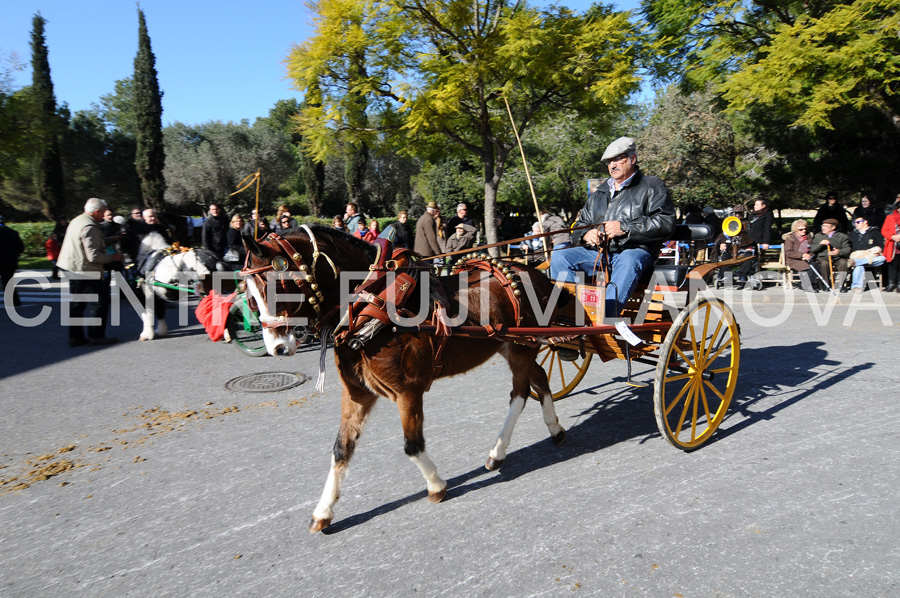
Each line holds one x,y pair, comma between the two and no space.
412,418
527,374
354,413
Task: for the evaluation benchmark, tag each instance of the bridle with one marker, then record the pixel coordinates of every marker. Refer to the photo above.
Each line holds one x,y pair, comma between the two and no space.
307,284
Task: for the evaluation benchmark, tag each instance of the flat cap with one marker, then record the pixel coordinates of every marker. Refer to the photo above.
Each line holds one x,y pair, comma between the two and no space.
622,145
832,222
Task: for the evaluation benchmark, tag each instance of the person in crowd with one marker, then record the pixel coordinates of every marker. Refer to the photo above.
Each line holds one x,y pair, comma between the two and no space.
109,227
831,248
692,214
248,226
235,253
637,217
798,257
533,245
712,219
403,234
553,223
427,240
868,210
463,238
374,228
338,223
890,230
832,209
868,239
54,244
462,215
352,217
84,255
276,222
262,227
759,232
362,232
11,247
215,231
285,225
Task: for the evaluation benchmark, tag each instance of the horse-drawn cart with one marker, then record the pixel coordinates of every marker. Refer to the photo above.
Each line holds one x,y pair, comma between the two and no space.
695,348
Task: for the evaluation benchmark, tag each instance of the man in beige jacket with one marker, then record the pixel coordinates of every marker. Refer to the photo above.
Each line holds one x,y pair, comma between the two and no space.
82,257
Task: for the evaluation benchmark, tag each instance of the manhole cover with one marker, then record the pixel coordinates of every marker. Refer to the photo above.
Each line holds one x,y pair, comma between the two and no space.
266,382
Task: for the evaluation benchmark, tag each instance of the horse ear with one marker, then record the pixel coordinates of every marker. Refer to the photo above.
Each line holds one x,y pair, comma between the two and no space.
252,245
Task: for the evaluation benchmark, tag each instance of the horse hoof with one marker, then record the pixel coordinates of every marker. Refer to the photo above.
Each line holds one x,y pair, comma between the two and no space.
145,338
317,525
559,438
493,464
437,496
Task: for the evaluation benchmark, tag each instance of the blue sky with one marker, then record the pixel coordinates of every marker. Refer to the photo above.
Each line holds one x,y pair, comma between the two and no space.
216,60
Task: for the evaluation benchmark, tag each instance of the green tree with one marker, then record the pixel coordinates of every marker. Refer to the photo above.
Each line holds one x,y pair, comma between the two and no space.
150,157
439,71
47,173
312,170
206,162
693,145
117,108
848,56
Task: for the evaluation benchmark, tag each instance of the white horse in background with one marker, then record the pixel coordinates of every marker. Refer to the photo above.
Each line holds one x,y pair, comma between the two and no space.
188,272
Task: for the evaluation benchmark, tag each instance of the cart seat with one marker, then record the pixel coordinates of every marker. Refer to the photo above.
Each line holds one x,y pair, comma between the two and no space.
673,275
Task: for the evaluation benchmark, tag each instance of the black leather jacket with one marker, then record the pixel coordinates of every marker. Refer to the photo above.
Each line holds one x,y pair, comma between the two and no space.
643,208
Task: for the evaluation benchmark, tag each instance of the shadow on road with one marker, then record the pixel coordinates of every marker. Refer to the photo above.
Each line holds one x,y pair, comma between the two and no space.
766,387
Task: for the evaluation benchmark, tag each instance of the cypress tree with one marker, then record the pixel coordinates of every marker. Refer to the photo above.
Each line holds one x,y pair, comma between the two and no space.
47,173
150,157
313,172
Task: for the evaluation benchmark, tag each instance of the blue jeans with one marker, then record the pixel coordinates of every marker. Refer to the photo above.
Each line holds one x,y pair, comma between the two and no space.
859,271
626,270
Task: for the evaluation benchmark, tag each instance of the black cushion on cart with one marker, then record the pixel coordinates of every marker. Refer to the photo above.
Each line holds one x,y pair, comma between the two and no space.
692,232
673,276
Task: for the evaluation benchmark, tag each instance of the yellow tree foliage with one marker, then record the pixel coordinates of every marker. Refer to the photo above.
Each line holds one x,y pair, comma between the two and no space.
435,71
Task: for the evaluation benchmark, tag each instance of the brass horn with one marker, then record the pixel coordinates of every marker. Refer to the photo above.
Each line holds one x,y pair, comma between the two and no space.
732,226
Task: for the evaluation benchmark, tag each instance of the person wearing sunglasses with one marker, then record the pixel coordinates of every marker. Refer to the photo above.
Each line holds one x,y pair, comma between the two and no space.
797,255
868,242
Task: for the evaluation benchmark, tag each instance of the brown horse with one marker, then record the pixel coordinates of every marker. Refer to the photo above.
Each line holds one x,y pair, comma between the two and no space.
319,262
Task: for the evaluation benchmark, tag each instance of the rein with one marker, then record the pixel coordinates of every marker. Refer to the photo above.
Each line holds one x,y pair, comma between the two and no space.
512,241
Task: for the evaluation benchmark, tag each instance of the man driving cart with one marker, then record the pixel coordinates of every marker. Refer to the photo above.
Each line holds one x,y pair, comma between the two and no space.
634,217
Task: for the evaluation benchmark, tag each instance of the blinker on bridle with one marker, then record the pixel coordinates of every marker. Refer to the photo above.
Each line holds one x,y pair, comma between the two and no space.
281,264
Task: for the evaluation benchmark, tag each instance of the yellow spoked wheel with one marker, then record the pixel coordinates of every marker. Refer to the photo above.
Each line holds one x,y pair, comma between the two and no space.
563,376
697,373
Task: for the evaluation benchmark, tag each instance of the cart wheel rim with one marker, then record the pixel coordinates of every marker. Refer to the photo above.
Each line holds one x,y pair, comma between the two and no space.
563,376
697,373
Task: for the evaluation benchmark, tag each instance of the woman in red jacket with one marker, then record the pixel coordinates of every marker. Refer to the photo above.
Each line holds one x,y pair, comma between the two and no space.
891,233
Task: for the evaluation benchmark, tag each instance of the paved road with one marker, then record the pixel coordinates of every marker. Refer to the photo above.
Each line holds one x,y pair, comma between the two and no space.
161,482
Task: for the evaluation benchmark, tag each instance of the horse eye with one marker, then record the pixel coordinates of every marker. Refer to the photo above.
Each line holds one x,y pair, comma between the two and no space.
279,263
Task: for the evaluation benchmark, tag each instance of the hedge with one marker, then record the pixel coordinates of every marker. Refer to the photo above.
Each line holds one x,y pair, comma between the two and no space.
34,235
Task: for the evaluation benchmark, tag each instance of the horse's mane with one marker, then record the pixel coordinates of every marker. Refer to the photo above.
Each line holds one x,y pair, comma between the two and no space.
336,239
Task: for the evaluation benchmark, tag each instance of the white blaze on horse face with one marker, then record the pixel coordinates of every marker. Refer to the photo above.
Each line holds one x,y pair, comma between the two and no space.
278,340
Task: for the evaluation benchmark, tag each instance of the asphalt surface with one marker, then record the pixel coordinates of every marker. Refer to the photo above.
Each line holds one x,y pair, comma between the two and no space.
131,470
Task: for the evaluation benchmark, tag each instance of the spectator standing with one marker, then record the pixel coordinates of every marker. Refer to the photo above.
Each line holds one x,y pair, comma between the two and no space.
712,219
890,230
54,244
797,255
248,226
364,233
403,234
427,243
84,255
338,223
832,209
831,248
11,247
215,231
285,224
864,238
462,215
553,223
235,252
868,210
352,217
